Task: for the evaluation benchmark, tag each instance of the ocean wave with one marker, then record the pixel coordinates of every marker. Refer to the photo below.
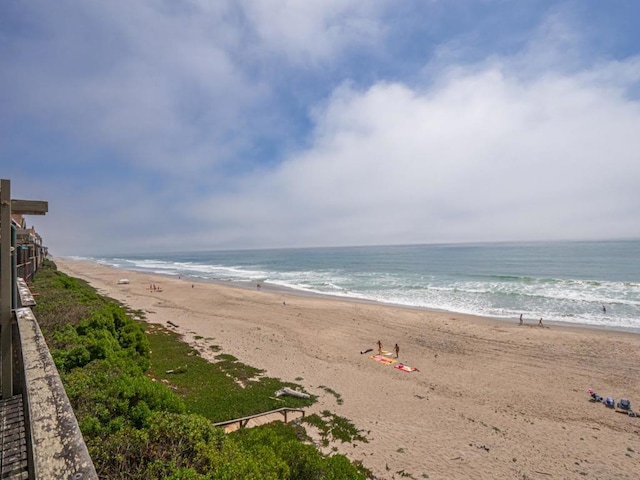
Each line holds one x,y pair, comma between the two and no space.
395,276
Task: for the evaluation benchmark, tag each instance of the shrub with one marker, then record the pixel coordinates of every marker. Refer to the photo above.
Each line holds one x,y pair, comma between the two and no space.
137,428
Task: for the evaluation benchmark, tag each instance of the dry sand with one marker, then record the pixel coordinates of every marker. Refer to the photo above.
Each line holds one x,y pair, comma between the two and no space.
491,400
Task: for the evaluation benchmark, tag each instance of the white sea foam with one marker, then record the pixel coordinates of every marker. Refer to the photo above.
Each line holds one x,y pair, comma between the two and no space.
511,282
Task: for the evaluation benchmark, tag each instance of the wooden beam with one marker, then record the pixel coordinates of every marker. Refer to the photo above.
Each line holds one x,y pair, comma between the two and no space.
29,207
6,342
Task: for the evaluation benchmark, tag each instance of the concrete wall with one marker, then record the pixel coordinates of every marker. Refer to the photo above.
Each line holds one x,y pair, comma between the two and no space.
58,448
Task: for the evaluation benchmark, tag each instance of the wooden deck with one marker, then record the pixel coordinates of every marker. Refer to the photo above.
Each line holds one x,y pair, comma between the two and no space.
13,463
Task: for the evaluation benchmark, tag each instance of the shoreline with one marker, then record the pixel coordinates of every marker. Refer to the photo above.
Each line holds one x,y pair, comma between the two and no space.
279,289
490,399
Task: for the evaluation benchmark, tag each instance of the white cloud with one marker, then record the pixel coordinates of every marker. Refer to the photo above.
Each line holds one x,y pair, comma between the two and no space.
537,145
171,87
315,30
484,156
145,82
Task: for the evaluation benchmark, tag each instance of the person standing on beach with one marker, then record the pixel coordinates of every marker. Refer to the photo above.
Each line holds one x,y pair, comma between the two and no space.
520,319
379,346
397,349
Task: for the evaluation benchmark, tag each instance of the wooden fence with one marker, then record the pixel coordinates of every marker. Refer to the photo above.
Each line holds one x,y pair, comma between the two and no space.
281,414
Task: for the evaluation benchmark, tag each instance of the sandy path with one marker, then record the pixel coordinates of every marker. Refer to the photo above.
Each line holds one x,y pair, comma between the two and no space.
491,399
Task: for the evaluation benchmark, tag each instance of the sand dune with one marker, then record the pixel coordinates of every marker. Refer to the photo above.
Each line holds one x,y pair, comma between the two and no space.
492,399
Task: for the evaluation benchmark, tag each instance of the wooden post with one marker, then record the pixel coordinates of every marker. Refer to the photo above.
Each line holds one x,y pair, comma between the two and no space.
25,207
6,342
14,270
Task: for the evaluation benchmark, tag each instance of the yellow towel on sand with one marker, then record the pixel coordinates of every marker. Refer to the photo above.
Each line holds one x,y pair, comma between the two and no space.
383,359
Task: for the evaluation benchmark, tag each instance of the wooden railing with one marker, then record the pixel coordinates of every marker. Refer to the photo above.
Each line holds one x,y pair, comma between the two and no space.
244,422
27,270
39,433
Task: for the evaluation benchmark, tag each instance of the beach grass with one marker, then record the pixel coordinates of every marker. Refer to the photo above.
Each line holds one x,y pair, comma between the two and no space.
339,399
220,390
333,427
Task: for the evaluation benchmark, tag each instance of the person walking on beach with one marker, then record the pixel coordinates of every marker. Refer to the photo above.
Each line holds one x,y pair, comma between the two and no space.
540,323
397,349
520,319
379,346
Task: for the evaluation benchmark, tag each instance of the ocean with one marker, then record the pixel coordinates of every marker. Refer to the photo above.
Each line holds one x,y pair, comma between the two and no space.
564,282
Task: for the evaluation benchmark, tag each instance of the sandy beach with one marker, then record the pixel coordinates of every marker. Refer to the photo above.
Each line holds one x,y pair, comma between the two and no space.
490,399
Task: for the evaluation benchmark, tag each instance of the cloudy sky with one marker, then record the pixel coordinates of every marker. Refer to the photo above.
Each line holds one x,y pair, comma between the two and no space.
177,125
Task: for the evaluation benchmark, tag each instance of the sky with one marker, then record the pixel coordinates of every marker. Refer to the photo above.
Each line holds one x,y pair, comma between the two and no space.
185,125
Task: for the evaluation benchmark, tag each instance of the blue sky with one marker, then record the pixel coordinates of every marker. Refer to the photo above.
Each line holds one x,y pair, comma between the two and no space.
173,125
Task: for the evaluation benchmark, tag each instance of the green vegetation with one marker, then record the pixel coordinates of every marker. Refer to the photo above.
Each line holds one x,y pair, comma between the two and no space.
331,391
333,427
220,391
149,415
